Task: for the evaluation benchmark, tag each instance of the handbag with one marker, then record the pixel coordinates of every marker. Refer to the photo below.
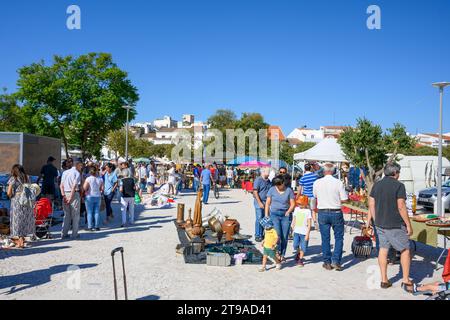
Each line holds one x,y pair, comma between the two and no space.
102,204
362,245
137,199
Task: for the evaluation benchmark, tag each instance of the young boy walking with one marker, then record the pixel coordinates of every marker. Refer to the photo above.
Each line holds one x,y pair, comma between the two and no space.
301,225
269,244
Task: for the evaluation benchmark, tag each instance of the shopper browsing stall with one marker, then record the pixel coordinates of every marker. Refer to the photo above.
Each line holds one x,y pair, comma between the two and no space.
279,206
330,194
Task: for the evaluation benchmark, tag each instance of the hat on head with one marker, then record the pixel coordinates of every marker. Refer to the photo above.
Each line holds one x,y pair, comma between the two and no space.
50,159
266,223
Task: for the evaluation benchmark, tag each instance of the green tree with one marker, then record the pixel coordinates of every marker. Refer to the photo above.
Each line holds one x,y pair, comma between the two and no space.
222,119
287,152
11,116
251,121
161,150
422,151
446,152
141,148
116,141
79,99
366,146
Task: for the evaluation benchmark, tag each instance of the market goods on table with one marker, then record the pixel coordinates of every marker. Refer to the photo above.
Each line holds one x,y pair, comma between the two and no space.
424,217
439,223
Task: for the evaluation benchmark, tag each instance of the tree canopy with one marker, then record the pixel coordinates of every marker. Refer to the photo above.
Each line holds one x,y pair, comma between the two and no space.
79,99
366,146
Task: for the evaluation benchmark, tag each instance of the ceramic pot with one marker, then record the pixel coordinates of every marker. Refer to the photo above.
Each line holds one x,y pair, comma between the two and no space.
230,227
180,213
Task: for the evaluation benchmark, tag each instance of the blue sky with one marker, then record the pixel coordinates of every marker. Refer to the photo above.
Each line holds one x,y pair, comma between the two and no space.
297,62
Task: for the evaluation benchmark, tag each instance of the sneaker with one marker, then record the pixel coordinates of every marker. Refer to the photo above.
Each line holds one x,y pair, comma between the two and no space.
300,263
327,266
258,239
92,229
97,229
337,267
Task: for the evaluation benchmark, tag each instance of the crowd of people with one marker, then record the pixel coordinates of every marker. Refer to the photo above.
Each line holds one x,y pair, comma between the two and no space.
318,206
85,189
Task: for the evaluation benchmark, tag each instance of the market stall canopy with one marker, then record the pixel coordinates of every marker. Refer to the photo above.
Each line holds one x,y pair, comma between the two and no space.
239,160
326,150
254,164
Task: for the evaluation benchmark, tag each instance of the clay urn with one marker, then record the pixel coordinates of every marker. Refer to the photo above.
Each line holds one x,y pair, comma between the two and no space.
230,227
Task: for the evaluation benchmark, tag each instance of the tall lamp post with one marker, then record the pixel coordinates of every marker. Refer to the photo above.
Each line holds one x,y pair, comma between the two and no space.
441,86
128,108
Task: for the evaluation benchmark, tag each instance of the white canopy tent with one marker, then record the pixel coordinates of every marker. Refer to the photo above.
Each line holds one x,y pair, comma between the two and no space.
326,150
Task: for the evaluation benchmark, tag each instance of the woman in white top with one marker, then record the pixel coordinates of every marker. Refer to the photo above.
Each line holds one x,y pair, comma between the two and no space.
93,188
172,179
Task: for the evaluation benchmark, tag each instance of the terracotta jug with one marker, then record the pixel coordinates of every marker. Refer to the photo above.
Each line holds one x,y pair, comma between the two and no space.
230,227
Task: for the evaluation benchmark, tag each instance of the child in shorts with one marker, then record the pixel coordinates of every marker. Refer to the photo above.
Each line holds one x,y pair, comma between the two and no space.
301,225
269,245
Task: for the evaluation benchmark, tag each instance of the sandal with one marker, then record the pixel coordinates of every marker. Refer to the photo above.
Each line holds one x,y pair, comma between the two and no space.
386,285
409,287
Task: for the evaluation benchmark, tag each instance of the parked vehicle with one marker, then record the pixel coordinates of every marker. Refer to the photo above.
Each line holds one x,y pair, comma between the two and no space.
428,197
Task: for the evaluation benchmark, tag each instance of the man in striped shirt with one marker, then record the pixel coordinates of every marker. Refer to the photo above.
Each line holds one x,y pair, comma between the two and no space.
306,188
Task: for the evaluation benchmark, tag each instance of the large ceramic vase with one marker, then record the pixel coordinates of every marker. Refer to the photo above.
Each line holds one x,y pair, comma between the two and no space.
180,213
230,227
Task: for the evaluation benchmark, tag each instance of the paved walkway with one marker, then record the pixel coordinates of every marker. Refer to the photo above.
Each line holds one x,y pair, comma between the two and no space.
155,271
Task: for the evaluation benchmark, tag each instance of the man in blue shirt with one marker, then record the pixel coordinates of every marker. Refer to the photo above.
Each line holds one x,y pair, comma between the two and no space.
206,180
111,183
306,188
196,173
261,186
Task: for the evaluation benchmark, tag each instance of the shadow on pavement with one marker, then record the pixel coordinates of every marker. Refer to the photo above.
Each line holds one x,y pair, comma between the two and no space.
27,280
150,297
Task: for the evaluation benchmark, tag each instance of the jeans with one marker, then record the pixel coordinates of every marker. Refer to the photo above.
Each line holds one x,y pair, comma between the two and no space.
230,182
282,224
300,242
93,211
127,204
108,199
196,184
206,188
259,230
328,220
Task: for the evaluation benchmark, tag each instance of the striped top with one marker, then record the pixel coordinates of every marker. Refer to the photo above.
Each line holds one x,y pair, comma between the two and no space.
307,182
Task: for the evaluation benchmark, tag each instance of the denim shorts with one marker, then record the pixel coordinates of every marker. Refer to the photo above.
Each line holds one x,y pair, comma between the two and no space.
300,242
395,238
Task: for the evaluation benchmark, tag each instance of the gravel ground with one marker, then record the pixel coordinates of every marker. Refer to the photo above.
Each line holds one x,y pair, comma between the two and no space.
82,269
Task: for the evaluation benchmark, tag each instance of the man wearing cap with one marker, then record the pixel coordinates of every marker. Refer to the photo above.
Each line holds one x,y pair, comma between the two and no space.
261,187
330,194
49,173
70,190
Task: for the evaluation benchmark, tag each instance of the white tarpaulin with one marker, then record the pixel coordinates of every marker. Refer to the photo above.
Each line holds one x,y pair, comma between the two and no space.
326,150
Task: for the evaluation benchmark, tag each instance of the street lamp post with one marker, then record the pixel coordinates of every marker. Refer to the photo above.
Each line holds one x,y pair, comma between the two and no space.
128,108
441,86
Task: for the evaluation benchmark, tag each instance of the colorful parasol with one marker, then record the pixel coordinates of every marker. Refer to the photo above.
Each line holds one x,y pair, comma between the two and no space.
254,165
